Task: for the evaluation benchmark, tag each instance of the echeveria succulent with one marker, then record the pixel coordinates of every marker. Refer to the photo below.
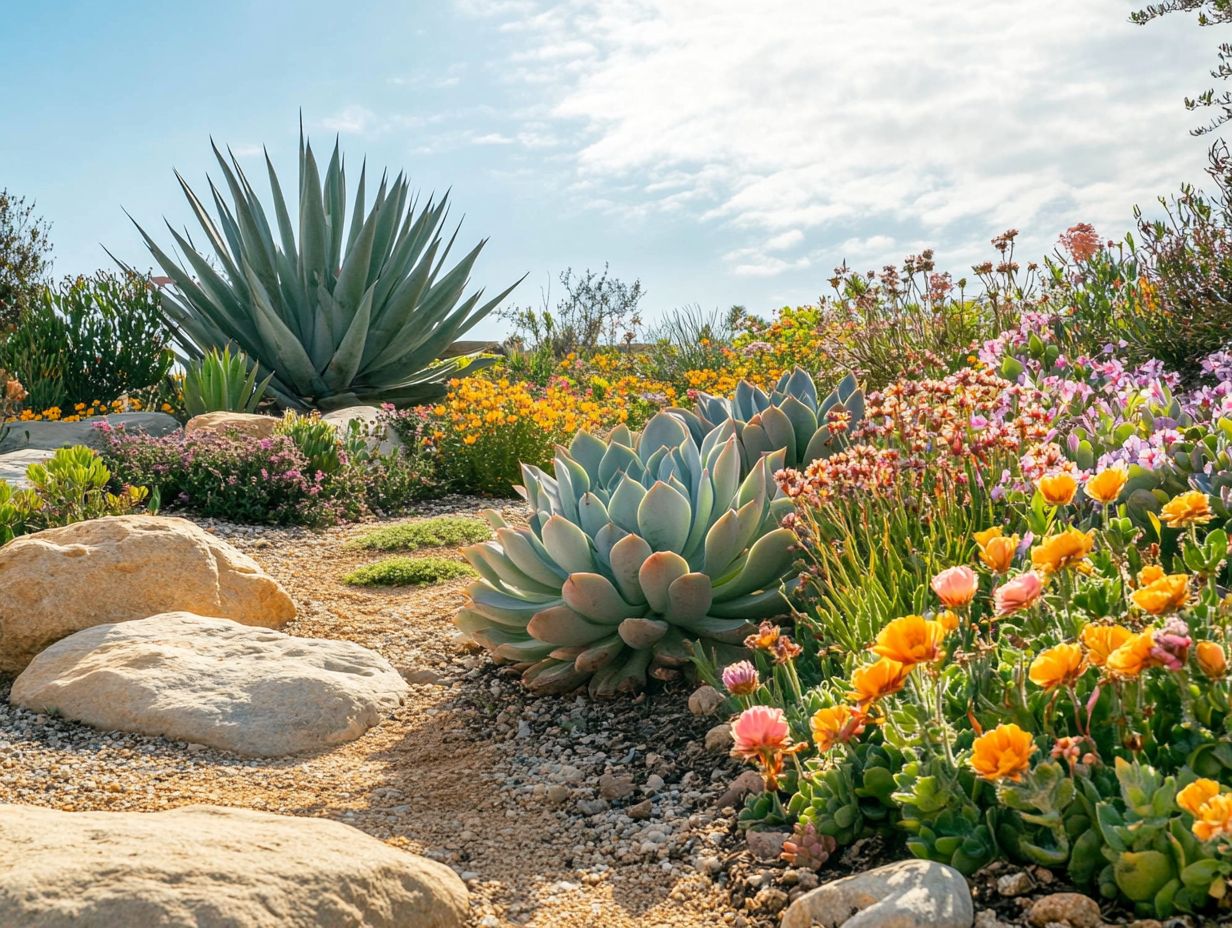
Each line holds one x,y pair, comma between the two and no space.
637,547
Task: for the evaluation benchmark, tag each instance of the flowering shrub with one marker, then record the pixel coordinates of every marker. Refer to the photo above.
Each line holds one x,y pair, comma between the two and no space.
1055,692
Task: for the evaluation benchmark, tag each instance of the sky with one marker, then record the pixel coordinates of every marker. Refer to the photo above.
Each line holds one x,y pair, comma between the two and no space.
721,151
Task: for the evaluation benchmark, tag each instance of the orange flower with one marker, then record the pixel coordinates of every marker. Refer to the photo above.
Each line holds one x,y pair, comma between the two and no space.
1192,508
1068,548
948,620
834,724
996,549
1149,574
881,678
1133,656
1003,753
1057,489
1102,640
1196,795
1214,819
1058,666
1106,486
1211,659
912,639
1163,595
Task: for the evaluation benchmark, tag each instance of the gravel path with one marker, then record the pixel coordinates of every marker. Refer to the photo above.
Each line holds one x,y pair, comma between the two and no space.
557,812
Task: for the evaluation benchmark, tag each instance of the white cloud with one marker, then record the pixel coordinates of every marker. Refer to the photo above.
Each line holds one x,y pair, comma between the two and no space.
804,123
352,120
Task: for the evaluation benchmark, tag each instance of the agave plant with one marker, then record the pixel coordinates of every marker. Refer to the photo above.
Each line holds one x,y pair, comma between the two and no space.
339,313
638,547
791,417
222,382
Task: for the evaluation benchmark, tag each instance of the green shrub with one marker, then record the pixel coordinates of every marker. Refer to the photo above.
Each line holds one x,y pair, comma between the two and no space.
438,532
87,339
408,571
72,486
222,382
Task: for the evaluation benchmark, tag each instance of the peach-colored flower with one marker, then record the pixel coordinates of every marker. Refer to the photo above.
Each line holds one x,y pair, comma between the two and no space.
881,678
1191,508
761,735
912,639
997,550
835,724
1060,665
948,620
1102,640
956,586
1017,594
1106,486
1211,659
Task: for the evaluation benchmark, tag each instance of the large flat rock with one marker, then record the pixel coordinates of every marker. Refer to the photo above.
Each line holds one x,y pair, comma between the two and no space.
48,436
211,681
208,867
13,465
59,581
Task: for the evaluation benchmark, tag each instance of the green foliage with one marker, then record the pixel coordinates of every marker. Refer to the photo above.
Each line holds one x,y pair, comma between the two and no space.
341,314
940,815
317,440
437,532
638,547
90,338
72,486
25,257
596,310
221,381
408,571
689,339
851,799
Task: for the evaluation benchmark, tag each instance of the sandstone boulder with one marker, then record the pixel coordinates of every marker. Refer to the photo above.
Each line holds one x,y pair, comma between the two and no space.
241,424
61,580
906,894
210,681
48,436
208,867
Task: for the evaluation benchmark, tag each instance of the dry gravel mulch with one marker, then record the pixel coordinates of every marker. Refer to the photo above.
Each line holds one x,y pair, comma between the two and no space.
507,789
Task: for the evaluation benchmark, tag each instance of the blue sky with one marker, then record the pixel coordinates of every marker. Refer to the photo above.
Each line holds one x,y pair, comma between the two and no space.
722,151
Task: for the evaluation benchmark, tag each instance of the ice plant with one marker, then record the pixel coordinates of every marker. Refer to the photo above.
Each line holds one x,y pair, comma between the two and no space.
1106,486
1101,640
1172,643
997,550
1165,594
1003,753
1058,666
1018,594
1067,548
1057,489
1134,656
1191,508
882,678
834,724
912,639
956,586
740,678
760,735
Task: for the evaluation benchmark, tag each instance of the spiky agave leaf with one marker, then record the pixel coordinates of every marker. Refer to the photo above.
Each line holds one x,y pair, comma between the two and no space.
791,418
337,313
637,547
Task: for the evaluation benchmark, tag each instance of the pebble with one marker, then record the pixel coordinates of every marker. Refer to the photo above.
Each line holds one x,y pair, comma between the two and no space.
1073,910
615,787
705,700
1014,884
719,738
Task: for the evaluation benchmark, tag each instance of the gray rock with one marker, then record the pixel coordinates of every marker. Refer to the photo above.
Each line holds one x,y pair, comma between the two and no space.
748,782
210,681
906,894
642,810
1014,884
13,465
766,845
48,436
368,425
719,738
612,786
214,868
705,700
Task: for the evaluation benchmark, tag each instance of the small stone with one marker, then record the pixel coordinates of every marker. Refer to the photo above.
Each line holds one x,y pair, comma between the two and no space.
556,794
653,784
748,782
592,806
612,786
907,893
1014,884
641,811
1072,909
719,738
766,845
987,918
709,865
705,700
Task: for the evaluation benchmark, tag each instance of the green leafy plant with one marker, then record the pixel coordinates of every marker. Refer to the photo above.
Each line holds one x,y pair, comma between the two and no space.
220,381
317,440
438,532
72,486
408,571
639,551
87,339
340,313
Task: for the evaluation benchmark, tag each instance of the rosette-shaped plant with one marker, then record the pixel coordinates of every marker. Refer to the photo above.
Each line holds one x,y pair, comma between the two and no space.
791,417
636,547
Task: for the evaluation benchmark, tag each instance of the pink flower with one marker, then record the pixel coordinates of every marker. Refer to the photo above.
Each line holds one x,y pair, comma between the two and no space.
1081,241
1019,593
956,586
760,729
740,678
1172,644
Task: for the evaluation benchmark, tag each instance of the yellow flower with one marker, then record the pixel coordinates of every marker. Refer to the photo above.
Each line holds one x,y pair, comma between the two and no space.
912,639
1003,753
996,549
1149,574
1102,640
881,678
1106,486
1058,666
1196,795
1214,818
1211,659
1133,656
1163,595
1057,489
1067,548
1192,508
948,620
830,725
